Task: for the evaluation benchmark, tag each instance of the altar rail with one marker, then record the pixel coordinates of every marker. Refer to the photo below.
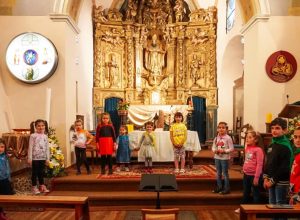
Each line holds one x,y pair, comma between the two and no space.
80,204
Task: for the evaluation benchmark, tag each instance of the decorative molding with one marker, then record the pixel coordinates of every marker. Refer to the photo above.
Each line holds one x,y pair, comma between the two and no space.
67,19
253,21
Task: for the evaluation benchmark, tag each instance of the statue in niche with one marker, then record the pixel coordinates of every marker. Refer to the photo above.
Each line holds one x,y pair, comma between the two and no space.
195,66
131,11
179,10
113,68
155,58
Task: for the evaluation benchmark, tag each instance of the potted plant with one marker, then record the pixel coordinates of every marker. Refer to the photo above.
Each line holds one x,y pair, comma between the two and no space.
122,107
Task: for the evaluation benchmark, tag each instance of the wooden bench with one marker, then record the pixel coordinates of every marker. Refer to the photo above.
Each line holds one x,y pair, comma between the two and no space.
250,212
80,204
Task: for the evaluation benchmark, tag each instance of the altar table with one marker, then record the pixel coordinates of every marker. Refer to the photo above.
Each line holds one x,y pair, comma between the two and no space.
17,144
164,147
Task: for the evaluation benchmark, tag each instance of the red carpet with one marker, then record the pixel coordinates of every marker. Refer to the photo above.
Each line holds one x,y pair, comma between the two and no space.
198,171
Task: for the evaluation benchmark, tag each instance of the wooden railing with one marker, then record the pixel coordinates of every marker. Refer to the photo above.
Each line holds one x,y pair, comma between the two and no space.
80,204
250,212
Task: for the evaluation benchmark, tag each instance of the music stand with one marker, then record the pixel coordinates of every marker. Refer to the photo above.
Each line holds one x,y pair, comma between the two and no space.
158,183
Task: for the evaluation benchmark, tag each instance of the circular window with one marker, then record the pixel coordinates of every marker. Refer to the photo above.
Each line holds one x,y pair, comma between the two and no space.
31,58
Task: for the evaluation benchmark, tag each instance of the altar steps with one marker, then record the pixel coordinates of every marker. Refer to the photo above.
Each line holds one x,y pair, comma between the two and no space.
123,193
115,200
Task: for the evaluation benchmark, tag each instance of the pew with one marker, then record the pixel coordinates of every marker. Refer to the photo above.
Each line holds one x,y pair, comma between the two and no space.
250,212
80,204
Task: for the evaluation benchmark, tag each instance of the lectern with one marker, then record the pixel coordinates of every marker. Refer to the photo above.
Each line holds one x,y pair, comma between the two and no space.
158,183
290,111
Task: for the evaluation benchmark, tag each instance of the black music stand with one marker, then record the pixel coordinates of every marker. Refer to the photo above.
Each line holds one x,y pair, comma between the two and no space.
158,183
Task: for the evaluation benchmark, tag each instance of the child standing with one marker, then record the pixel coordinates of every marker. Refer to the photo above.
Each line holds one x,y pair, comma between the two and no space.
81,138
147,146
123,151
222,146
252,168
278,165
5,186
38,154
105,139
178,135
295,172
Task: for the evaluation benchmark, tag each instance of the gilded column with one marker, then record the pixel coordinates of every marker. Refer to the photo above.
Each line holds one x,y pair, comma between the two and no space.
180,63
130,57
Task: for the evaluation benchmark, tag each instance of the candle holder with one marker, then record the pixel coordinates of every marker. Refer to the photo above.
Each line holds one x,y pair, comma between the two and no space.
268,127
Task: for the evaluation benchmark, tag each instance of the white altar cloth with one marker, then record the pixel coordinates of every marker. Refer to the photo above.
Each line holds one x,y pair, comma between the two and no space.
164,147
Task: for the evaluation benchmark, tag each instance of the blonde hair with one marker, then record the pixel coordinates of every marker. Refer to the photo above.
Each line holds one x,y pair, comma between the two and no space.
106,114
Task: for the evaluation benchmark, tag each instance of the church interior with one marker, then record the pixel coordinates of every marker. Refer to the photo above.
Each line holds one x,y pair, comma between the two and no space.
140,61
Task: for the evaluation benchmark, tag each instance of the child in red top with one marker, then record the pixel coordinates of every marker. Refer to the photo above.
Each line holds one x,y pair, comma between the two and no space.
295,172
106,141
252,168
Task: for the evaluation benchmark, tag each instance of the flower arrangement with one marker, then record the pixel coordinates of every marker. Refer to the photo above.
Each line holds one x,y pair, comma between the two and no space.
123,105
293,124
56,162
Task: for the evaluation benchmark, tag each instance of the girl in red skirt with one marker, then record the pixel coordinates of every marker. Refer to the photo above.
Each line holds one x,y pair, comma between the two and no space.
106,140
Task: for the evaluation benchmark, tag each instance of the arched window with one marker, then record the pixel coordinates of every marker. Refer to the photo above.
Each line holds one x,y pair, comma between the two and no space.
230,14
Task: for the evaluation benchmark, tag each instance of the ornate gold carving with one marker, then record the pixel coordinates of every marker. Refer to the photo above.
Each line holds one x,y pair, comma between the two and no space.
147,53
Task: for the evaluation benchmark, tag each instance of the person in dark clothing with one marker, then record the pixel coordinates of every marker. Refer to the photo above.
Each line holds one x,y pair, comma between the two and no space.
278,167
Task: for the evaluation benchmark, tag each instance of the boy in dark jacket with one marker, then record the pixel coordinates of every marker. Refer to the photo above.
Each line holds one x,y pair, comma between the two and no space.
278,166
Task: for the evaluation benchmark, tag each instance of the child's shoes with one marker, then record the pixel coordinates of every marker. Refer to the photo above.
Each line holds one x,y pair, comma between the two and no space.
182,171
43,189
35,190
176,171
126,169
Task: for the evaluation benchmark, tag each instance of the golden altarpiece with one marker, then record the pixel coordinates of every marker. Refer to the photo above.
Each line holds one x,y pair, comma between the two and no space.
155,52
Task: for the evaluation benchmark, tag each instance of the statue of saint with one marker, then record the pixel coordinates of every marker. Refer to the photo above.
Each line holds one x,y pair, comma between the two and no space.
113,70
154,57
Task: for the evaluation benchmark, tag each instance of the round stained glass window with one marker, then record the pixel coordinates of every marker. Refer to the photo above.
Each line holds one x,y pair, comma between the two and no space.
31,57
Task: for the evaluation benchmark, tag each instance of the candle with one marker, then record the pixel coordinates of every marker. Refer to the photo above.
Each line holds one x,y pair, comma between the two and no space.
130,127
48,104
269,118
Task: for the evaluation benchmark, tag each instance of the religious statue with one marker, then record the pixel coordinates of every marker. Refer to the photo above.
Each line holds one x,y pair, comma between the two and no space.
155,57
194,66
282,67
99,14
113,71
131,10
179,10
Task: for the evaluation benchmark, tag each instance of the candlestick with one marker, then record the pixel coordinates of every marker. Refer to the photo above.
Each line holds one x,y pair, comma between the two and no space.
48,104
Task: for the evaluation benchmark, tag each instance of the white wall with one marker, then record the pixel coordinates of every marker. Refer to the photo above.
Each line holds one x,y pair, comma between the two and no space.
27,101
262,95
229,66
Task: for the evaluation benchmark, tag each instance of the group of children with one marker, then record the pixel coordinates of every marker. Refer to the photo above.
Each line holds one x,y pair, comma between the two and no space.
107,143
277,170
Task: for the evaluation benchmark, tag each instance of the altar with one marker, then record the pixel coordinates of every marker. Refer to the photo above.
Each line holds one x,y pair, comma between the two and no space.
164,147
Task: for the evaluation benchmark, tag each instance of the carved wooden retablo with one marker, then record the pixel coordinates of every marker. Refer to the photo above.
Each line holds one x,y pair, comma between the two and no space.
154,52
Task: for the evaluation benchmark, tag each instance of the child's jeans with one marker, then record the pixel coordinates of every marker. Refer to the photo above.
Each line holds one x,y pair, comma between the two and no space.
222,168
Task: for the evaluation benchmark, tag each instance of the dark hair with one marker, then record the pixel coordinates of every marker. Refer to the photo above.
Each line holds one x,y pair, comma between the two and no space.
279,121
3,143
125,127
78,121
223,123
35,123
178,114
